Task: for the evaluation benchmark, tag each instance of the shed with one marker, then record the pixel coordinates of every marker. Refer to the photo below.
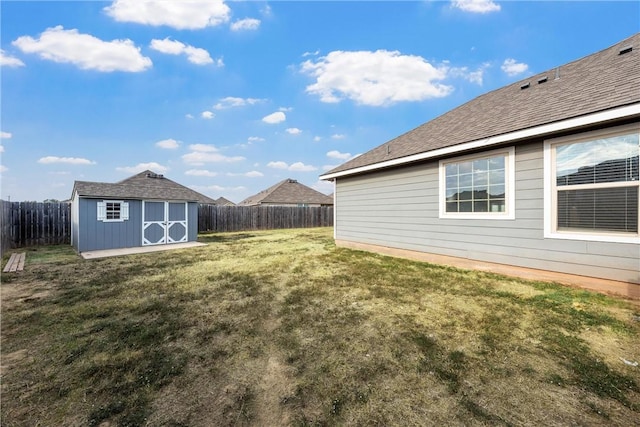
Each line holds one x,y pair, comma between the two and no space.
288,192
540,174
144,209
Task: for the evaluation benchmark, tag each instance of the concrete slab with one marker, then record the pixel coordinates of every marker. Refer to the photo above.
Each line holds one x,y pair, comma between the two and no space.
138,250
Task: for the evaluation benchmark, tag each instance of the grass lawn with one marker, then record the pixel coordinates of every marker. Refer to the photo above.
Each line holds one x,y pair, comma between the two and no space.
283,328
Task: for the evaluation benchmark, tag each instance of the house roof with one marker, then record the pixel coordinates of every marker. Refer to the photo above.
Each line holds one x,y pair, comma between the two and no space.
224,202
146,185
602,81
288,191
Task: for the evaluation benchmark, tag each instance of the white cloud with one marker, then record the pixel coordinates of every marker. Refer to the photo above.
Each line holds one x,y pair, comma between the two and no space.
476,6
255,139
471,76
338,136
207,115
203,153
232,101
168,144
325,187
201,172
278,165
5,135
181,15
251,174
216,188
375,78
513,67
189,116
301,167
316,53
293,131
85,51
266,11
334,154
68,160
3,169
9,61
273,118
317,138
1,148
141,167
195,55
247,24
285,109
294,167
206,148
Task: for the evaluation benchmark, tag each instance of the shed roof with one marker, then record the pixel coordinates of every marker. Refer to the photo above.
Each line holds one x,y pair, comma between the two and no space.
288,191
146,185
598,82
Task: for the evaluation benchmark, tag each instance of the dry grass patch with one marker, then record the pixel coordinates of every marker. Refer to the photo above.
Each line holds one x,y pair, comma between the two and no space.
283,328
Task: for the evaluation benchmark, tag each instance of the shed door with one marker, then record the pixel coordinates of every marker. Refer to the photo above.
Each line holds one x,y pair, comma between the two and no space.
164,222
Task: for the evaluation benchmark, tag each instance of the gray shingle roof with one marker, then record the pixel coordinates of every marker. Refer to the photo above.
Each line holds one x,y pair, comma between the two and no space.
224,202
146,185
288,191
598,82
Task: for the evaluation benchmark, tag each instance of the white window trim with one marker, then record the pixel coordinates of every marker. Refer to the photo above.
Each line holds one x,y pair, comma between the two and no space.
550,194
510,185
102,211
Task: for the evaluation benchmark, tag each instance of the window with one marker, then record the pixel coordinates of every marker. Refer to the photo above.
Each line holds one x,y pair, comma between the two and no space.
478,186
592,185
113,211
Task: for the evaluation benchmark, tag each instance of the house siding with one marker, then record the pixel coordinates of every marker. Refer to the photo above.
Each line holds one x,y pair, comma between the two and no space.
399,208
98,235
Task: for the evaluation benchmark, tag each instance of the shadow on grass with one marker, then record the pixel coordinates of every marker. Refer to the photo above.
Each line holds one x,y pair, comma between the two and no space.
223,237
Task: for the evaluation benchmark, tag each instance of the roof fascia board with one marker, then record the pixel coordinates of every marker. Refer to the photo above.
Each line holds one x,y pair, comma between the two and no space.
576,122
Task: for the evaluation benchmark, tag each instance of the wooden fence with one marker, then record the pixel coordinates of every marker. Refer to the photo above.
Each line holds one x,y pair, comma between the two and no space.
33,223
241,218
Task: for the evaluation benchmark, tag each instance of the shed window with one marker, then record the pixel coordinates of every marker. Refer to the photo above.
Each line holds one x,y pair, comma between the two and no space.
477,186
113,211
594,185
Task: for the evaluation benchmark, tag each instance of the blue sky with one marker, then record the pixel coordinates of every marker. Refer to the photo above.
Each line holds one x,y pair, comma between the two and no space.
229,98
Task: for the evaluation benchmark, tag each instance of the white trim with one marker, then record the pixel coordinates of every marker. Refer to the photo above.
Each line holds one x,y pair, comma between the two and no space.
102,211
75,221
576,122
165,223
550,219
509,182
335,209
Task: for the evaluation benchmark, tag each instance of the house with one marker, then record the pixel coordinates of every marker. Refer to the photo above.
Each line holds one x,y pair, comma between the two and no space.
288,192
540,174
145,209
221,201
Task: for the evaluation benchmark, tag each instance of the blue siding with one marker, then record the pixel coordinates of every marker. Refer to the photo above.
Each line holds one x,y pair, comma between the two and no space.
97,235
154,211
91,234
176,212
193,222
